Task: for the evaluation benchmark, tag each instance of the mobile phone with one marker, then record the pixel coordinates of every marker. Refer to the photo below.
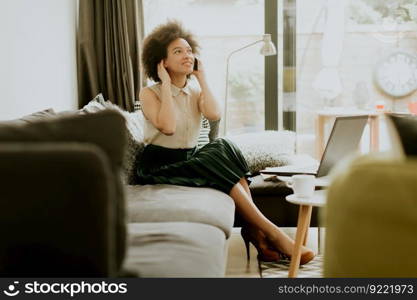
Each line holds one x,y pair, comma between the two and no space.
195,64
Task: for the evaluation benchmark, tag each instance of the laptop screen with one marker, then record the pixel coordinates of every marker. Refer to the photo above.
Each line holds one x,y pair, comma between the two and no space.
343,140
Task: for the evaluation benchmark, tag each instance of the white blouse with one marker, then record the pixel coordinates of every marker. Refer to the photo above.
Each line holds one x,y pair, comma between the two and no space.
188,117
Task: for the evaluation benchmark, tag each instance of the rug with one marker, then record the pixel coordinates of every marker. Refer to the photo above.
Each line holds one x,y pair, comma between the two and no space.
314,269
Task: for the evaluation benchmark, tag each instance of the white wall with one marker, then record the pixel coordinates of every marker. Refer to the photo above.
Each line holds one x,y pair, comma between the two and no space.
37,56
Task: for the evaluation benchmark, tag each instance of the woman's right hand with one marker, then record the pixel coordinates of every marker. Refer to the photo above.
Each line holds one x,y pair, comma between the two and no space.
163,73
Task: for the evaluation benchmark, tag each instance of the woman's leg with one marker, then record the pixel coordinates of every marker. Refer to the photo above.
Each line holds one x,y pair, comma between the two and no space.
257,237
251,214
245,185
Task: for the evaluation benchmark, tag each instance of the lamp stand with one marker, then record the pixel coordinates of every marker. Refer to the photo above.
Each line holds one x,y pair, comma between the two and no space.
270,51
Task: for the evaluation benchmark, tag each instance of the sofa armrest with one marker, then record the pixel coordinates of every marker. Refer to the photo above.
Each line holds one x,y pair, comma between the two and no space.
56,211
371,220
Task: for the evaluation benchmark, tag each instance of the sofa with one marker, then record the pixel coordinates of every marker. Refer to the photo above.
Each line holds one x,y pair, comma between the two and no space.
66,212
261,149
70,206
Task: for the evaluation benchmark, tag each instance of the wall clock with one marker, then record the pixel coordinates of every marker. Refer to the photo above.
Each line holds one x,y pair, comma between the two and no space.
396,74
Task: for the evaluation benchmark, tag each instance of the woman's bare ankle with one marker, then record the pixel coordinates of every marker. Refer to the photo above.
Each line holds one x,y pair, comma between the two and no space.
280,241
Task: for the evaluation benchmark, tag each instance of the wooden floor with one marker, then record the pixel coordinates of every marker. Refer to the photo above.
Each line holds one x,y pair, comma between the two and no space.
237,264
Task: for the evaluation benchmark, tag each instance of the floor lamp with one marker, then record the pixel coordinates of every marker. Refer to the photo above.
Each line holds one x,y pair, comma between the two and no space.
267,49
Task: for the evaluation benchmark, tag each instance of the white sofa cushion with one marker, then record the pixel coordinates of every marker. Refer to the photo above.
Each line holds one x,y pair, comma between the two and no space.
176,249
174,203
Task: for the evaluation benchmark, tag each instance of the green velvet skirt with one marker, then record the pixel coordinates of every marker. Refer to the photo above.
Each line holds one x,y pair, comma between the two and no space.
219,165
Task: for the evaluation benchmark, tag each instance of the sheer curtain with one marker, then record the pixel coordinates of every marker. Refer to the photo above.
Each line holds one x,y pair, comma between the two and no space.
328,82
108,55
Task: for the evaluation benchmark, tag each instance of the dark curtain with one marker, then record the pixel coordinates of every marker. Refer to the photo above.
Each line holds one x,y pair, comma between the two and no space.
108,55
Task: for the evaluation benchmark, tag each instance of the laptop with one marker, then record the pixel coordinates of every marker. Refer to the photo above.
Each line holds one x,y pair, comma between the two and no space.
343,140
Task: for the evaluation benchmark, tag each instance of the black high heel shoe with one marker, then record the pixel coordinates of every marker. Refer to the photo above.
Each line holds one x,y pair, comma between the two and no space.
264,254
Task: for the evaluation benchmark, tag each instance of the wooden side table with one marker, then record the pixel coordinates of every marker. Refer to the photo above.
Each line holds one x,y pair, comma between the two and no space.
303,224
324,115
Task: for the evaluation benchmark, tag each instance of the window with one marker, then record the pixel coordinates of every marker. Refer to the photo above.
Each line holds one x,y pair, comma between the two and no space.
339,46
327,54
222,26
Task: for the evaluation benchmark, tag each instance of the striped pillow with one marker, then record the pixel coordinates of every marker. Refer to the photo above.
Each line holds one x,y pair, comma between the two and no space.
203,138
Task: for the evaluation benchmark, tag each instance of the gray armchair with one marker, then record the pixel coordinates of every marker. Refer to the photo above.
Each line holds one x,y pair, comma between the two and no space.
62,204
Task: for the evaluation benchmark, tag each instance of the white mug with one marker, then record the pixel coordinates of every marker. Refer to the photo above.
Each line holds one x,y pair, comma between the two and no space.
302,185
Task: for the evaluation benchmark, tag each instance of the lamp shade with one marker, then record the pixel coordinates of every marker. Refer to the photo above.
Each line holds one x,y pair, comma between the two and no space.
268,47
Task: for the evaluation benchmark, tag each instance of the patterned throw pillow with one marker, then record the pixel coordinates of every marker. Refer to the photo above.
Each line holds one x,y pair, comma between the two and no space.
203,138
214,130
134,124
266,148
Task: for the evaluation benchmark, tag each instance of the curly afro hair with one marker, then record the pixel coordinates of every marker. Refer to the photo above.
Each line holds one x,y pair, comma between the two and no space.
156,44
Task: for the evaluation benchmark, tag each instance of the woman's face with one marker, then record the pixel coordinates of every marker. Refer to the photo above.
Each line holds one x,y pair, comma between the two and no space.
180,57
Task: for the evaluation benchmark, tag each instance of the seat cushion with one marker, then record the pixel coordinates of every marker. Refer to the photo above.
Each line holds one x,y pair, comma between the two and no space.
174,203
176,249
259,186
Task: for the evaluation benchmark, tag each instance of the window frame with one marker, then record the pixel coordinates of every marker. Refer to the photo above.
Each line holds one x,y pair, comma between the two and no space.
271,68
275,117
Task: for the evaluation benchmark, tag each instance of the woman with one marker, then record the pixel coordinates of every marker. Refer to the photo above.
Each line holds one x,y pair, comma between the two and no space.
173,108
